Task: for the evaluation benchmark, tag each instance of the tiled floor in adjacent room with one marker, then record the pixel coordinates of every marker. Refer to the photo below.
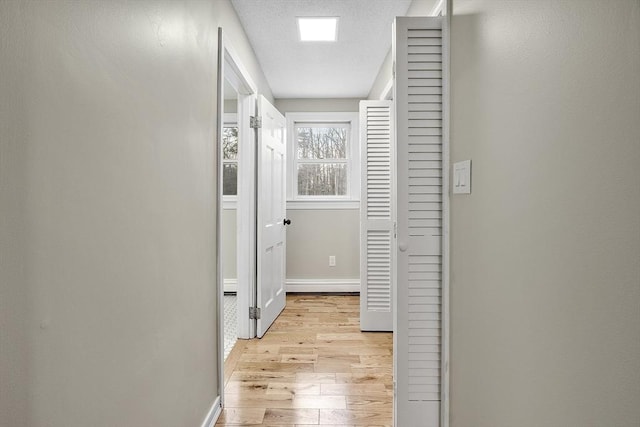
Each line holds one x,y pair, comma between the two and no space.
230,323
313,367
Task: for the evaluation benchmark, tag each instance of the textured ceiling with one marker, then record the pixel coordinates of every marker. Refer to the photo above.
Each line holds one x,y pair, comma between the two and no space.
345,69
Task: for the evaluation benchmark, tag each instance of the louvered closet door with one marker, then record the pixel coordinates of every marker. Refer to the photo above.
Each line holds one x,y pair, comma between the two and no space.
418,98
376,216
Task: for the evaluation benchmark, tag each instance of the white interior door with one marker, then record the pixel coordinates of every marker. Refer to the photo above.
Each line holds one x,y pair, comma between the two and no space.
271,186
377,216
417,54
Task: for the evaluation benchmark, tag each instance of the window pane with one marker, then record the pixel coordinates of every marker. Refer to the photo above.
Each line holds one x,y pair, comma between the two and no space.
321,142
230,179
230,143
326,179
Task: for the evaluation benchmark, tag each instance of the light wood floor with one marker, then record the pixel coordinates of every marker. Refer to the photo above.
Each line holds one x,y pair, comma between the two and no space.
313,367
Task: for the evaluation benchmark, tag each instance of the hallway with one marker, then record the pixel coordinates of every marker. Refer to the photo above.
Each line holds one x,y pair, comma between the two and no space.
313,367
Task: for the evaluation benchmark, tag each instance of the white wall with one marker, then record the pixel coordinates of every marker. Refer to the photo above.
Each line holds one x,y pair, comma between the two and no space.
229,244
107,210
316,234
545,290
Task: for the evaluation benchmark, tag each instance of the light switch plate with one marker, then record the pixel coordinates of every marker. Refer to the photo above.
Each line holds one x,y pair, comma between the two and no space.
462,177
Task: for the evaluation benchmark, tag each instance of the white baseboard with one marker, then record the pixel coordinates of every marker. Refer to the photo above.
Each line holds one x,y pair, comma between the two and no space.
308,285
213,414
323,285
231,285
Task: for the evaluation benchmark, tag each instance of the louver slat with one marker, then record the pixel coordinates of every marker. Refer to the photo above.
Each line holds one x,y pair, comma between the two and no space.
376,216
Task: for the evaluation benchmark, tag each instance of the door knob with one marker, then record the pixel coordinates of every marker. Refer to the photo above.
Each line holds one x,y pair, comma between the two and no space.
286,222
403,246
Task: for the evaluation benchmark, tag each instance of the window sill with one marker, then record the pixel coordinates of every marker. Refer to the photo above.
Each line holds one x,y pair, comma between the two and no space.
322,204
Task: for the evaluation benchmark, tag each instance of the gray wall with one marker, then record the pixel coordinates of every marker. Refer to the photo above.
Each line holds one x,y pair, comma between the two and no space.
545,289
305,105
107,210
315,234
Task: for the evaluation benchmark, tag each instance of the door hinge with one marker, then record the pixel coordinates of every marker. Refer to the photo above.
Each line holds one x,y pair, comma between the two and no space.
255,122
395,230
254,313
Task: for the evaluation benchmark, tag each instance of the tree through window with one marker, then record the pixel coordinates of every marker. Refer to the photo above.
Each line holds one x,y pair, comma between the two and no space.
230,160
322,158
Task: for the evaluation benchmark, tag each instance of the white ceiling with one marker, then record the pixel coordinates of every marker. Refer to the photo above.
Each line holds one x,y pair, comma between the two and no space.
346,69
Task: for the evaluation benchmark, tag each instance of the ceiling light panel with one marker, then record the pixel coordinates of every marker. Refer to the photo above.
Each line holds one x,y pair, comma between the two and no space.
318,29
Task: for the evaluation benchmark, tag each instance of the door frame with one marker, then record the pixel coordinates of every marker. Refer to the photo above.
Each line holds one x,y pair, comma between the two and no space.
231,68
445,9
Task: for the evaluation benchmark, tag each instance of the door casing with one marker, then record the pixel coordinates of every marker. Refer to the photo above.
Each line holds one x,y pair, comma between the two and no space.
230,67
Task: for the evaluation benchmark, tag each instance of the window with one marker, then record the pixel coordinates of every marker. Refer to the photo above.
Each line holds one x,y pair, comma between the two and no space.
230,158
323,160
321,157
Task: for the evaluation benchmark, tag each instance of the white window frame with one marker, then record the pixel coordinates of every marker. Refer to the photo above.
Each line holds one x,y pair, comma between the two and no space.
349,201
231,201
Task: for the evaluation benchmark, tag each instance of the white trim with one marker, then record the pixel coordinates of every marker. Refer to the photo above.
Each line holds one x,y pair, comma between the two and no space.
353,160
394,265
439,8
316,204
230,119
229,202
213,414
446,211
387,92
231,285
218,225
237,74
323,285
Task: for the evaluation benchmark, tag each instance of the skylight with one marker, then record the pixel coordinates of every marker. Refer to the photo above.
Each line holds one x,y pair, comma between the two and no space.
318,29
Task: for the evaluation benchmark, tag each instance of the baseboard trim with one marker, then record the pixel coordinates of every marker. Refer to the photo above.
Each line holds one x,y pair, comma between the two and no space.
308,285
230,285
213,414
323,285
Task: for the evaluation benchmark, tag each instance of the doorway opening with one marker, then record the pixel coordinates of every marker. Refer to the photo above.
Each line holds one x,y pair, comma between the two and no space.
230,171
235,220
420,325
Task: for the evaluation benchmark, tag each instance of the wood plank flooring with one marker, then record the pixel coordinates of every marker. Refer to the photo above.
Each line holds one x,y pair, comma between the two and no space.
313,367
